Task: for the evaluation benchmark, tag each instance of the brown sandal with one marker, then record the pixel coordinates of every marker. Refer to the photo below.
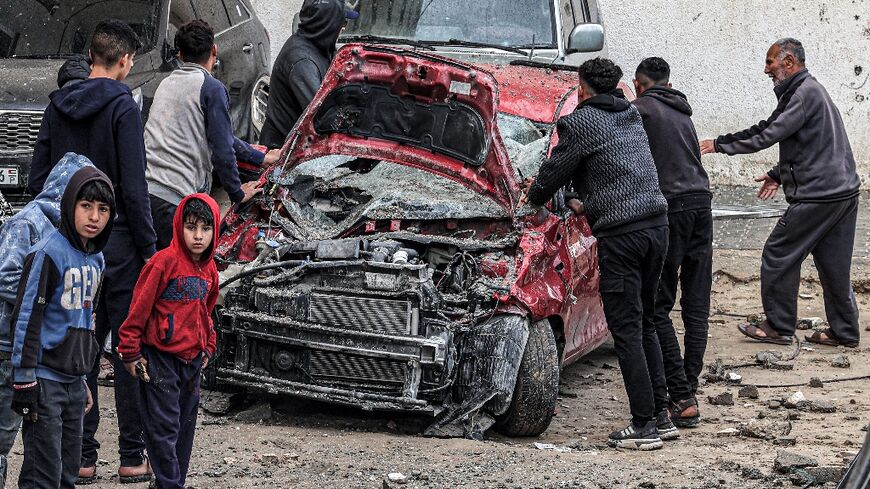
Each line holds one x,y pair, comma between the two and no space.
678,415
831,339
771,336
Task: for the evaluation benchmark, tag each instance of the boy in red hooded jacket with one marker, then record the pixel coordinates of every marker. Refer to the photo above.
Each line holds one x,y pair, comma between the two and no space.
169,334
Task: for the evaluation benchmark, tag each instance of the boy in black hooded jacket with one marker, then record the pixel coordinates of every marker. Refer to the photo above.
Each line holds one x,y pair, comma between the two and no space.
667,120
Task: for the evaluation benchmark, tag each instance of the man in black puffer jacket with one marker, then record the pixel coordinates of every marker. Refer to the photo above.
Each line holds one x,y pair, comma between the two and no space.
604,151
817,172
301,65
667,119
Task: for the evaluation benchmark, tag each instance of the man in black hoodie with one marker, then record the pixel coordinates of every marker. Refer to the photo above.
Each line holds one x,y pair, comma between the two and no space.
817,172
99,119
604,151
667,119
301,65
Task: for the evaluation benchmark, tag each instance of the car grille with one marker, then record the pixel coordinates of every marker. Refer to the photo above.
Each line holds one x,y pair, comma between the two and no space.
18,131
388,316
347,369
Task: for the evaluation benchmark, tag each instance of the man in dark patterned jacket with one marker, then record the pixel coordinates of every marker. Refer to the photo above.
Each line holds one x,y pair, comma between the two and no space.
603,150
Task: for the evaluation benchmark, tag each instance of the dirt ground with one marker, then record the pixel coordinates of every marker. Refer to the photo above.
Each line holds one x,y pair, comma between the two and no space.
309,445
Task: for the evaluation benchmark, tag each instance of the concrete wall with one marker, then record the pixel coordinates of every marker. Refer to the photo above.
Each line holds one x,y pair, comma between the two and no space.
716,49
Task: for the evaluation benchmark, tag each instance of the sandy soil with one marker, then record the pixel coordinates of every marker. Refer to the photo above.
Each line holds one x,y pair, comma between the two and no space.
309,445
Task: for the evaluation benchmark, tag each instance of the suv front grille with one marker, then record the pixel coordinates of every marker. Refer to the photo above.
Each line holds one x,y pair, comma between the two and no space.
18,130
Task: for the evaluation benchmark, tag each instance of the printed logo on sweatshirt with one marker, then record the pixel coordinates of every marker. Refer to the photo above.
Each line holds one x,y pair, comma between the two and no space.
80,287
185,289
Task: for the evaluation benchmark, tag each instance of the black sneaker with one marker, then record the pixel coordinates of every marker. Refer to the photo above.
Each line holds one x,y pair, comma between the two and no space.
637,437
667,430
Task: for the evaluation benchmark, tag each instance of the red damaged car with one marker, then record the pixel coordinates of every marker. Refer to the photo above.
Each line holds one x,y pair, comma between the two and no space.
389,265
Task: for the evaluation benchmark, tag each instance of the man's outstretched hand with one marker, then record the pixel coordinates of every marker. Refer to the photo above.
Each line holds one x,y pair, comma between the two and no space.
768,189
707,146
527,185
250,189
272,156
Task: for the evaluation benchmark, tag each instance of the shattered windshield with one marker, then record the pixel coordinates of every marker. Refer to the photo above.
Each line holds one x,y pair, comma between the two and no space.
53,28
517,23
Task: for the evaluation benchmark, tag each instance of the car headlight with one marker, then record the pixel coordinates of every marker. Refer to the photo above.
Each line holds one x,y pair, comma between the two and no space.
138,97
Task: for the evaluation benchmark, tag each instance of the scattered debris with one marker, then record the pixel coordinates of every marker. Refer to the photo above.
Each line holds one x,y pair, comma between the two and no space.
793,401
215,402
787,461
748,391
820,406
785,441
841,361
766,429
550,446
810,323
733,378
723,399
728,432
258,413
817,476
783,365
774,404
268,458
397,477
816,382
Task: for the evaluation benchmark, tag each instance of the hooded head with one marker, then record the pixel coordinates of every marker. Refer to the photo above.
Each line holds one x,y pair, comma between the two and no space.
71,196
321,21
76,70
48,201
178,245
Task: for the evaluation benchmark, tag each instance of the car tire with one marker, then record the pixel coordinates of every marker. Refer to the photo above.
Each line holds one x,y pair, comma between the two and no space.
537,386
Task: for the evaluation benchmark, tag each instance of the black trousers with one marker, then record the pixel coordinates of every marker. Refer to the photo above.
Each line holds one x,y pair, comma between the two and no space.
162,214
123,265
53,443
689,262
827,230
170,402
630,266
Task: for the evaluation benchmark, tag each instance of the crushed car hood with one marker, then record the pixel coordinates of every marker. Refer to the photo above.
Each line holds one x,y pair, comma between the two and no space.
534,93
410,108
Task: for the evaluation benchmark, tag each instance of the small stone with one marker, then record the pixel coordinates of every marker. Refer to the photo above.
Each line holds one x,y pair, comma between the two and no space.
792,402
766,429
785,441
773,404
816,383
268,458
751,473
748,391
787,461
229,460
840,361
397,477
723,399
810,323
782,365
216,402
728,432
820,406
767,357
647,485
733,378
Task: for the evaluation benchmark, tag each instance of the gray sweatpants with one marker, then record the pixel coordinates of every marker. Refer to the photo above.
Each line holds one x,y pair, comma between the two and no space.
827,230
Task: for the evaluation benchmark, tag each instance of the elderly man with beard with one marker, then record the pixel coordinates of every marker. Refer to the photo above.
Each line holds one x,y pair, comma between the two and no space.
817,172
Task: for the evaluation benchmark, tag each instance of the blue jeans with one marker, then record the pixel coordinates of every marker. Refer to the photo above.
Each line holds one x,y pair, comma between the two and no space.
10,421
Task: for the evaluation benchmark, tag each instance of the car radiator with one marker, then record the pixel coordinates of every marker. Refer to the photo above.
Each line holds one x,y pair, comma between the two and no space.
387,316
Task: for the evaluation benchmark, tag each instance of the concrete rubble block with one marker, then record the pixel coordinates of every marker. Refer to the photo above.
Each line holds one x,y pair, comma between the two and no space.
841,361
728,432
723,399
397,478
748,391
794,399
216,402
787,461
827,473
766,429
783,365
819,406
816,383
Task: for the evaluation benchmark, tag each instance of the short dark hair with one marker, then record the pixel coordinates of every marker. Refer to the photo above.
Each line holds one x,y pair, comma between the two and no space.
194,41
111,41
97,191
790,45
601,75
656,70
196,211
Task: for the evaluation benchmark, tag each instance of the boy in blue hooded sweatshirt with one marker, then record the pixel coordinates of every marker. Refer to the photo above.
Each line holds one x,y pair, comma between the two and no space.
54,342
98,118
17,236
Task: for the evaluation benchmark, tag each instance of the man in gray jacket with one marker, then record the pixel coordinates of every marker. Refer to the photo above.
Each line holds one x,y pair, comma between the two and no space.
817,172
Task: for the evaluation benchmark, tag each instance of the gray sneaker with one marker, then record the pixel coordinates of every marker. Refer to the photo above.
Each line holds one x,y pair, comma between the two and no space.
667,430
637,437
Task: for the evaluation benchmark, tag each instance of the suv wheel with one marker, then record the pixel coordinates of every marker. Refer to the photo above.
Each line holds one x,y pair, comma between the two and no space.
259,103
534,398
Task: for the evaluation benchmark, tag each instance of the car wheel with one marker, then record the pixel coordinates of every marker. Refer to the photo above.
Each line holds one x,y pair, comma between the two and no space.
534,398
259,103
